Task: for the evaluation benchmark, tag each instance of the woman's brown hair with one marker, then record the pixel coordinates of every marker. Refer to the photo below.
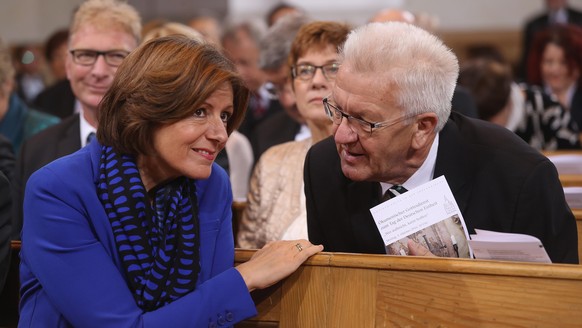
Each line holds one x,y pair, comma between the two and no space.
161,82
567,37
317,36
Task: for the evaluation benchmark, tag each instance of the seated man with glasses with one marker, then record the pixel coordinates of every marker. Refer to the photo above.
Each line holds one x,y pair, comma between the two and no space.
102,34
393,127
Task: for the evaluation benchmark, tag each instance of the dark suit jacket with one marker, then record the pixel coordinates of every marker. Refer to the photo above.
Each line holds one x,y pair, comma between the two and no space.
250,122
464,103
276,129
7,160
499,182
57,100
52,143
5,211
576,107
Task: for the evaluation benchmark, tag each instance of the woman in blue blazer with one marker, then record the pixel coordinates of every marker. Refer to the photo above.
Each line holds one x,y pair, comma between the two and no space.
135,229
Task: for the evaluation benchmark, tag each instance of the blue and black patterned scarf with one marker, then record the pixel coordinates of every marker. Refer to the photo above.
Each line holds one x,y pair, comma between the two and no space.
158,244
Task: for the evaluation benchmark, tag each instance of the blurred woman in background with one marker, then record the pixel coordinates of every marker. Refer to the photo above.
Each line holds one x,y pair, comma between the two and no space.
276,200
555,63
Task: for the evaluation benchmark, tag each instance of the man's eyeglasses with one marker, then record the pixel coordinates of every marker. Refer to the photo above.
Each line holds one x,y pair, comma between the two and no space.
87,57
306,72
359,126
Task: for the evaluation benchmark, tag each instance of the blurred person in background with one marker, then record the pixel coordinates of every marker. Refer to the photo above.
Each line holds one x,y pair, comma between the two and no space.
276,201
18,122
6,175
287,125
55,52
169,28
556,12
541,122
30,71
240,43
57,99
279,11
209,26
554,63
102,34
6,171
7,158
5,228
393,15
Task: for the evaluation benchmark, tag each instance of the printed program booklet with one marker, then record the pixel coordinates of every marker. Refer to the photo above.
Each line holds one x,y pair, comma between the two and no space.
429,216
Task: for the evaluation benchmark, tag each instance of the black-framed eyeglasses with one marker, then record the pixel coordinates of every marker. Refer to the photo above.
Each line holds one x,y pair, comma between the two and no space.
306,72
88,57
359,126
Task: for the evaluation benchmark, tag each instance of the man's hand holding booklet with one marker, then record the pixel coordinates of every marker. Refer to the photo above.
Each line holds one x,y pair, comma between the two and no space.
427,221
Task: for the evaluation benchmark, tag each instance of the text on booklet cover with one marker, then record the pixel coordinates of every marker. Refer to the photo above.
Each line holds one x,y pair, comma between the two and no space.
426,216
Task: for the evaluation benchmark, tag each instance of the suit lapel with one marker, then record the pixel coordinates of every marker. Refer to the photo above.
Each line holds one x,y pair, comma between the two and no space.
453,161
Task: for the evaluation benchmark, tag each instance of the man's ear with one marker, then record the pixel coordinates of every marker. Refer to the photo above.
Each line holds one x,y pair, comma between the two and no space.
424,132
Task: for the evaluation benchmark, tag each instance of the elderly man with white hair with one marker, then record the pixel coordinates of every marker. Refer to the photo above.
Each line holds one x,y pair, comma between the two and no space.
391,108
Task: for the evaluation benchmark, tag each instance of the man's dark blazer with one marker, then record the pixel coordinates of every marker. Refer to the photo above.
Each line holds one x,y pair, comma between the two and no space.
52,143
576,107
463,102
5,211
250,122
499,182
7,159
57,100
276,129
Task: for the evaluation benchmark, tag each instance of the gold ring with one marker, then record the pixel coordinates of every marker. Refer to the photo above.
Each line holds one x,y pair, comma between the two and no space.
298,245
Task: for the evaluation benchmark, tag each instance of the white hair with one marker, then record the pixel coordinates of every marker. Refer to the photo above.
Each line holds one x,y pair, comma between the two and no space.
408,59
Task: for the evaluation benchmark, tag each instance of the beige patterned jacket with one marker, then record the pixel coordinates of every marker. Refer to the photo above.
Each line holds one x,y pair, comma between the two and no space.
276,200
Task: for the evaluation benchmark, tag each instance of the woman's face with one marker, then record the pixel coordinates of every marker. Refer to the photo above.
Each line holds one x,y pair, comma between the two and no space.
555,71
189,146
309,93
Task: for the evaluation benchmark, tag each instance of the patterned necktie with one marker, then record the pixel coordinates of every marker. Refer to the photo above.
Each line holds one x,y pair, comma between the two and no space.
393,191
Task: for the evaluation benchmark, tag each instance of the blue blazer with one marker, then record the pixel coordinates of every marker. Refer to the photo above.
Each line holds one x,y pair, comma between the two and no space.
71,274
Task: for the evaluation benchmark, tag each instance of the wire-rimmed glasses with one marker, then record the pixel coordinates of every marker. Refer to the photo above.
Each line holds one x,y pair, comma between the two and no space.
359,126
